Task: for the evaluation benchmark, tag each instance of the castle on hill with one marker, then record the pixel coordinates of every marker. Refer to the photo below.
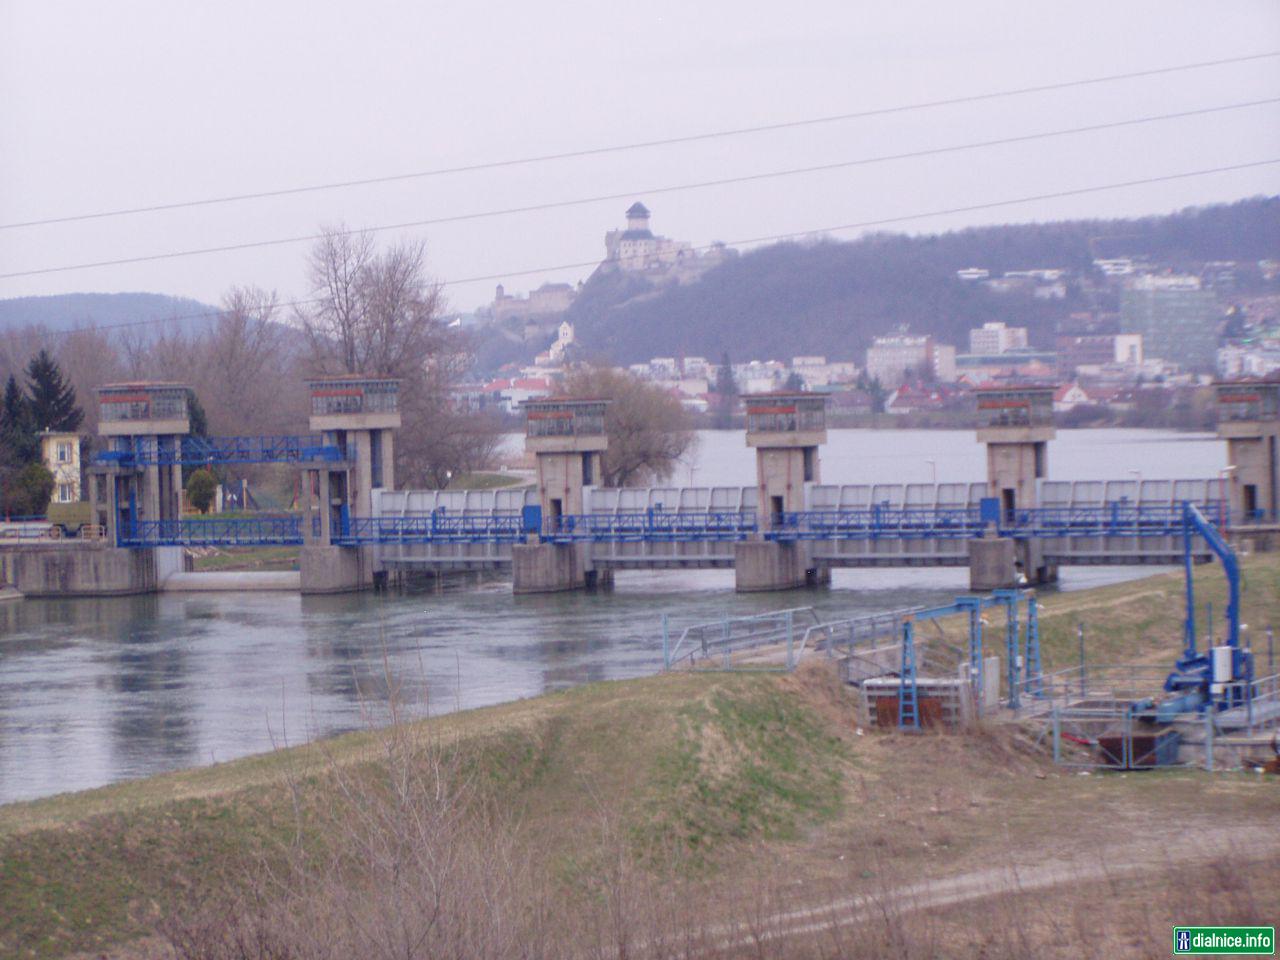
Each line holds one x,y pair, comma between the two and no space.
637,249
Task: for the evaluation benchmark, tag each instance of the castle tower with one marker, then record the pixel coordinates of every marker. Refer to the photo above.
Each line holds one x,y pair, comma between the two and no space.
637,216
1249,420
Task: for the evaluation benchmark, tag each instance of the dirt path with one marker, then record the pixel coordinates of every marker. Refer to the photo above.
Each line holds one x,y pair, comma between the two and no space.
1120,861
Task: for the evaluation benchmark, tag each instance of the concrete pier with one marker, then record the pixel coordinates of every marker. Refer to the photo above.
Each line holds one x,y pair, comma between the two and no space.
992,564
549,567
760,565
327,569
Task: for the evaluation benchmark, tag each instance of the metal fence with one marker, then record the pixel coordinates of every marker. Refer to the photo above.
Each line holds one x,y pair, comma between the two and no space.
772,641
1099,718
1111,737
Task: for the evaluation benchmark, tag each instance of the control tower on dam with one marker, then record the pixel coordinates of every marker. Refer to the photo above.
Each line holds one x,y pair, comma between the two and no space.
1249,421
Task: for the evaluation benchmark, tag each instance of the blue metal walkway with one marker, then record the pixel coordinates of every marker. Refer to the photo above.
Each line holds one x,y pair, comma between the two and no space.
198,451
1120,519
438,527
652,526
214,532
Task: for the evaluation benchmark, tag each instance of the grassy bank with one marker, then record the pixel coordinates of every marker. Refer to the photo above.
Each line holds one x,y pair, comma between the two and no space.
689,791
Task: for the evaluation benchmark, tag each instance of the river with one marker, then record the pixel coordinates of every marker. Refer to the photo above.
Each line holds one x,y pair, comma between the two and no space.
99,690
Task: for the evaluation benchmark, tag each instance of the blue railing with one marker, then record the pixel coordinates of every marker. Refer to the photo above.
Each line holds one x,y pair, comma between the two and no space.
877,523
212,532
651,526
1118,519
437,527
194,451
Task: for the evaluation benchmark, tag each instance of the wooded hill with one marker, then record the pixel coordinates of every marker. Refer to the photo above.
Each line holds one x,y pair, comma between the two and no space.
830,297
75,310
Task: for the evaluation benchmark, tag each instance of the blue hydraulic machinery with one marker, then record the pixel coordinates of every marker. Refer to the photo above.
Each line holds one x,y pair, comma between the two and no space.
1022,651
1209,679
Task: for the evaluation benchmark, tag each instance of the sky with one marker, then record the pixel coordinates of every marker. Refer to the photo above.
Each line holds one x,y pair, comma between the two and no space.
113,106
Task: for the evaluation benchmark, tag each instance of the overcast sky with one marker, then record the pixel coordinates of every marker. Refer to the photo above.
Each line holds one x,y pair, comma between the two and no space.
114,105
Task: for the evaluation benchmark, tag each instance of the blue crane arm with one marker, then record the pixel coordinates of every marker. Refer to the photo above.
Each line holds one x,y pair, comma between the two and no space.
1230,566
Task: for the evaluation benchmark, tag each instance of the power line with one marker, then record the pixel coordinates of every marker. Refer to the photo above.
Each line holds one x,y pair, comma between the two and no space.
770,238
644,144
650,191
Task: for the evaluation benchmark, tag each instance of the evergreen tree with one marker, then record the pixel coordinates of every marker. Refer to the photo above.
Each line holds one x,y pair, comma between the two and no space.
53,399
196,417
198,421
18,443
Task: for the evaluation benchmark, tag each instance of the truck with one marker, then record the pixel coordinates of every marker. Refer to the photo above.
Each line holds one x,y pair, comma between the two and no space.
74,519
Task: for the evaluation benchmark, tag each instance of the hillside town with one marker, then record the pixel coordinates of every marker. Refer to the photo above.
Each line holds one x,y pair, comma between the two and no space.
1157,330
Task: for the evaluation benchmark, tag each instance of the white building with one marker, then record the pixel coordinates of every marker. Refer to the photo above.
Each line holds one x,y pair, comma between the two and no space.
564,340
1069,396
1252,361
890,359
995,338
61,455
1172,282
1115,266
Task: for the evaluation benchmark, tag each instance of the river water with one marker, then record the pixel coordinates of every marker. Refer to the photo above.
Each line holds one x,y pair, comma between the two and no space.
100,690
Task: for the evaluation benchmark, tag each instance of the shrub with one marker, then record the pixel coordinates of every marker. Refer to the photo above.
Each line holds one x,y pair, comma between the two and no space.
201,487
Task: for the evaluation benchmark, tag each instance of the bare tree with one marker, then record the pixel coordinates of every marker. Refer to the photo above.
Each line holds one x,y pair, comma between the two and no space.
161,353
649,430
335,319
90,358
242,358
380,313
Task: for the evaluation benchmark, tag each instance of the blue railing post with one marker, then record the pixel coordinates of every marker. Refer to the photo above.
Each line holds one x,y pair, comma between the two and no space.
908,692
1033,672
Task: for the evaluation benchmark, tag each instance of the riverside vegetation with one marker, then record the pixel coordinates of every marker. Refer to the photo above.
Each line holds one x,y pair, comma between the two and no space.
678,815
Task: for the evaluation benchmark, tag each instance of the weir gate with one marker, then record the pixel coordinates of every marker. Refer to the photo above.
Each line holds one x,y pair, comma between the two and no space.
787,529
